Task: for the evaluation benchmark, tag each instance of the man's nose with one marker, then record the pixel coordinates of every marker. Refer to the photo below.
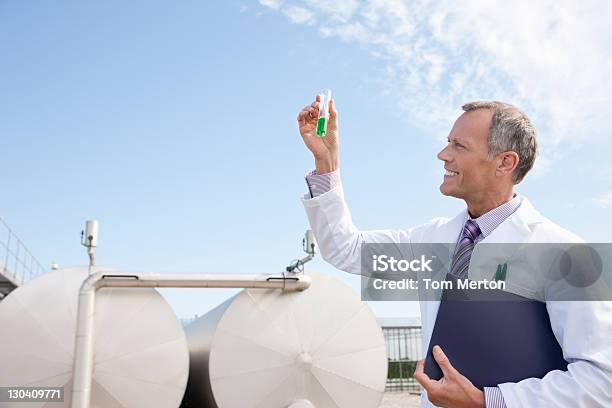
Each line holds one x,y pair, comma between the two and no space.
443,154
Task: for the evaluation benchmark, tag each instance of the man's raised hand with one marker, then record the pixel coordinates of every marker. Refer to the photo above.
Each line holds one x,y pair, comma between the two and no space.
324,149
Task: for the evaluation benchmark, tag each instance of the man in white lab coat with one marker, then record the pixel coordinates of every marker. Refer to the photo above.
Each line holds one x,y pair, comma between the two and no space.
491,147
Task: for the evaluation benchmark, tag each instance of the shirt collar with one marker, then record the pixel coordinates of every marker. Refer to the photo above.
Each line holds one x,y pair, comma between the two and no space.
490,220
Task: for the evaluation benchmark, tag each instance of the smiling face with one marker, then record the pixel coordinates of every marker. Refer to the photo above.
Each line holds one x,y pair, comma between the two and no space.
469,174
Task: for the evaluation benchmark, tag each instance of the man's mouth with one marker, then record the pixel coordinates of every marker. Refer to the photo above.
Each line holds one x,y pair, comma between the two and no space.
450,173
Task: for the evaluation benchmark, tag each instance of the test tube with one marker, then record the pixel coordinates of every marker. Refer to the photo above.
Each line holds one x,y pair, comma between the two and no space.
323,112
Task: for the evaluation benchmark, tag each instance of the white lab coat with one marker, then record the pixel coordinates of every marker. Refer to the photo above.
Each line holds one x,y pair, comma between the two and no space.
583,329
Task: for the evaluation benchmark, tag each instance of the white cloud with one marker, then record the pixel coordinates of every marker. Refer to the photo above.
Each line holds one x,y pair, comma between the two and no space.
299,15
273,4
553,58
336,10
604,201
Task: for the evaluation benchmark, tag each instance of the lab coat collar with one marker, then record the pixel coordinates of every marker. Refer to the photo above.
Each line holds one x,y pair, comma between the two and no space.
518,226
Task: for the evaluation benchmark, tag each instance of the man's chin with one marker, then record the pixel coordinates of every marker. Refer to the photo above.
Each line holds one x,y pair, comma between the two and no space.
444,190
448,191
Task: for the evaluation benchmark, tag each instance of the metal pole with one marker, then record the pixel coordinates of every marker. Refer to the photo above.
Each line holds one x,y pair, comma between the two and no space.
84,341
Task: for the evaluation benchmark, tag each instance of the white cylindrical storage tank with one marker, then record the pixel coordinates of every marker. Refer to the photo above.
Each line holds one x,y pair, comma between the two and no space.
140,350
266,348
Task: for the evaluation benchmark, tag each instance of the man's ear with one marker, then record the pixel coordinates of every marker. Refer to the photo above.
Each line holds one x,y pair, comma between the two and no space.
507,162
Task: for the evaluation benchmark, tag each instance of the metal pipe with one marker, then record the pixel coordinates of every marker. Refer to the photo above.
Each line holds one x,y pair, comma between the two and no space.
83,348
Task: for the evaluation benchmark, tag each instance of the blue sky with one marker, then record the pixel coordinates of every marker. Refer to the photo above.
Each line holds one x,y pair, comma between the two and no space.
173,123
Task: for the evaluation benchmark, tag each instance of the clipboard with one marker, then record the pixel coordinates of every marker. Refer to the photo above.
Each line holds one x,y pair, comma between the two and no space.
493,337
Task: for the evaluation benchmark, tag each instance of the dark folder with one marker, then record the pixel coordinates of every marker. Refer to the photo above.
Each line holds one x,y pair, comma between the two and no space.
493,338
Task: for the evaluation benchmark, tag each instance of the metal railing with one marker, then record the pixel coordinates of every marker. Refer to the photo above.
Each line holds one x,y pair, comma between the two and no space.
403,351
16,261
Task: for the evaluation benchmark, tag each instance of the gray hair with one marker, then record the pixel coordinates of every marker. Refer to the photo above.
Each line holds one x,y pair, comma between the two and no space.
511,130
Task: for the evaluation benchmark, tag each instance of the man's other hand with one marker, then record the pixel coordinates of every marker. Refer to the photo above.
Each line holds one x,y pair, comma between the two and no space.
453,390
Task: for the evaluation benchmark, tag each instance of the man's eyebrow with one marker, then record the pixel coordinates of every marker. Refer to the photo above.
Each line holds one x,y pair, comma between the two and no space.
458,139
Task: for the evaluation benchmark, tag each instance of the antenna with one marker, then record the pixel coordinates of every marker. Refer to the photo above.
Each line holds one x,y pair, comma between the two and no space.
308,244
89,239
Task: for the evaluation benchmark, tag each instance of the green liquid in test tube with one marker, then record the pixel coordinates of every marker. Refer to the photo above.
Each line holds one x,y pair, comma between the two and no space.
321,126
323,112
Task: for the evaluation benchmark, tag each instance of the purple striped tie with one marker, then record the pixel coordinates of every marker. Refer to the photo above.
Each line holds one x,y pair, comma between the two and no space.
463,250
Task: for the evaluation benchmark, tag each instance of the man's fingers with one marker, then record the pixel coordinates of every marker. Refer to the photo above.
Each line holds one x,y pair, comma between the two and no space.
302,116
421,377
316,103
443,361
306,113
420,367
312,110
332,109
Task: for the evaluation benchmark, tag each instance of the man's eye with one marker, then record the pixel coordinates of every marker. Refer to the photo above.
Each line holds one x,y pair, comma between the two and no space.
459,145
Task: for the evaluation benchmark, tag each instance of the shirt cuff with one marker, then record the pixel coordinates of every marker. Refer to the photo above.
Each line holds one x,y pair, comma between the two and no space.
494,398
319,184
